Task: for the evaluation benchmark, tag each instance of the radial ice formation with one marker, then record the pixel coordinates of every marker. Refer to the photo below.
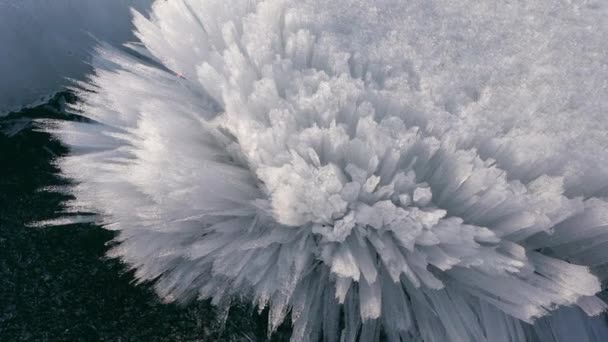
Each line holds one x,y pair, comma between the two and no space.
44,42
357,166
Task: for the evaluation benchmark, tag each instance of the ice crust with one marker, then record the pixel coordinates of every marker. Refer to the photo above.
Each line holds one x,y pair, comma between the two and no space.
431,170
44,42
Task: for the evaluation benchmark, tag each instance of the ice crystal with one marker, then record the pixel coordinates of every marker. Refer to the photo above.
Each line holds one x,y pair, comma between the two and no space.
424,170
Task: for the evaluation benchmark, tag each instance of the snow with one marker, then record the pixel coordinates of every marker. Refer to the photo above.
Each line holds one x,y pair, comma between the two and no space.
431,169
44,42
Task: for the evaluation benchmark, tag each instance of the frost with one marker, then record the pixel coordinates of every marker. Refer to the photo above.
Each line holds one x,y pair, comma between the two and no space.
407,167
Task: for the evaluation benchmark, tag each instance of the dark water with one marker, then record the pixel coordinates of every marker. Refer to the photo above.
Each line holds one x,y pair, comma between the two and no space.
56,285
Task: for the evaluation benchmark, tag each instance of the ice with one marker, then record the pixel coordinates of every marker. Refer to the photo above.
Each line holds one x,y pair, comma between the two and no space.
45,42
420,170
422,196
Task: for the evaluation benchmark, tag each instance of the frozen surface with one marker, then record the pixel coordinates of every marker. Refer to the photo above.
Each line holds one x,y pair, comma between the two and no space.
430,169
43,42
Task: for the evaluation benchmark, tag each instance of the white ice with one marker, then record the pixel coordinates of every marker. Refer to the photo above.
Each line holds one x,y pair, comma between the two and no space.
432,169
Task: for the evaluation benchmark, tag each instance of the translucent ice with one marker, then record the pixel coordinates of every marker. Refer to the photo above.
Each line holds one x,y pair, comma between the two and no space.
44,42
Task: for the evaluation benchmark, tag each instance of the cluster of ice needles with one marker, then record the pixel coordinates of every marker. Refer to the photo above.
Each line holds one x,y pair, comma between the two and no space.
411,170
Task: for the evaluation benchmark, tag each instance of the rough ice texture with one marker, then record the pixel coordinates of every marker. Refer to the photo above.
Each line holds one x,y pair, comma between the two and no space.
43,42
424,170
